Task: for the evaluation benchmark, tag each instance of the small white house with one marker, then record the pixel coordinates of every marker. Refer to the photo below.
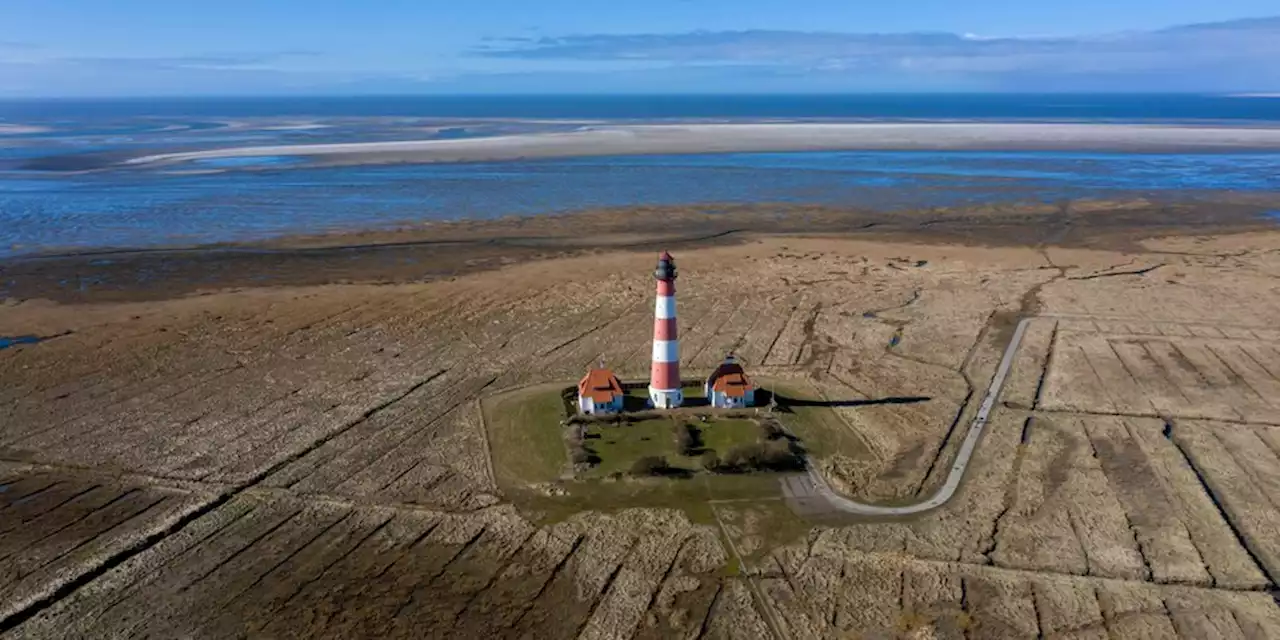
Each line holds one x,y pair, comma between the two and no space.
728,387
599,392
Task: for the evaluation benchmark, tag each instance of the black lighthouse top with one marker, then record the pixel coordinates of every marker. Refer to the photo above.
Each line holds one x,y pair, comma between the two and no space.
666,267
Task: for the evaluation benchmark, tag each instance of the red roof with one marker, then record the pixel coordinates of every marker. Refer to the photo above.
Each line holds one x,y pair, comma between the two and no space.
734,385
731,380
600,385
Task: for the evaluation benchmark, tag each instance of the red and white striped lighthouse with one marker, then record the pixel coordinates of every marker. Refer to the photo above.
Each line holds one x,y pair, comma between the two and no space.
664,381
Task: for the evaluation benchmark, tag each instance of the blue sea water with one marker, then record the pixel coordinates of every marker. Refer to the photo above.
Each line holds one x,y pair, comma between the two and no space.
13,341
43,205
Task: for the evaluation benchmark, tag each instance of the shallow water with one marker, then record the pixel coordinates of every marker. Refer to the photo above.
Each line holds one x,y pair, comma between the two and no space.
138,209
63,187
12,341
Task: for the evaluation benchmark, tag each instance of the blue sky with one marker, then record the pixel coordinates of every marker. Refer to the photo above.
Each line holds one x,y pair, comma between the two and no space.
181,47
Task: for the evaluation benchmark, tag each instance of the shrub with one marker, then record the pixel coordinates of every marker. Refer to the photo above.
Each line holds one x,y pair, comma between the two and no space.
710,460
650,466
772,456
689,439
732,459
582,455
772,430
784,459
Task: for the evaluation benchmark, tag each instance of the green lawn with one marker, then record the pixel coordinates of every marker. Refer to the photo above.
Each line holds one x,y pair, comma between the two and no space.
619,446
525,436
721,435
528,445
819,428
528,449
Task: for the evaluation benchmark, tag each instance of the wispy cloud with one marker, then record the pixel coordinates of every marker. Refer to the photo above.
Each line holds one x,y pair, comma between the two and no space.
768,46
40,73
1252,45
203,61
1238,56
216,73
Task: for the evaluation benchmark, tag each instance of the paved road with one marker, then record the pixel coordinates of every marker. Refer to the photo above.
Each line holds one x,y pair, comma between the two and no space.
815,484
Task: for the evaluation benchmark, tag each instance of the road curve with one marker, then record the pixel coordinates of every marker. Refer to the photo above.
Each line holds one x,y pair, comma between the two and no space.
948,488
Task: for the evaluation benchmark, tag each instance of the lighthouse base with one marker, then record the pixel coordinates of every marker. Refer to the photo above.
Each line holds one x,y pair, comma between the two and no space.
665,398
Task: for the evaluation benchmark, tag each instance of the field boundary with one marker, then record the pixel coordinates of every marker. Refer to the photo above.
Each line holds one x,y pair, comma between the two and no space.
958,466
977,426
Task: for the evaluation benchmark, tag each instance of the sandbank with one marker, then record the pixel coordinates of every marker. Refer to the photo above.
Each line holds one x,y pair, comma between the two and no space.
739,138
20,129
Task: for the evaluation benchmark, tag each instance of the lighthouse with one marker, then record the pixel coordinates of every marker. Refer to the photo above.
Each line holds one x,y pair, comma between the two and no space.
664,381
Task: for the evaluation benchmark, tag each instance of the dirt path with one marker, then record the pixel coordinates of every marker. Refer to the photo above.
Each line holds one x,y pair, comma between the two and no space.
952,483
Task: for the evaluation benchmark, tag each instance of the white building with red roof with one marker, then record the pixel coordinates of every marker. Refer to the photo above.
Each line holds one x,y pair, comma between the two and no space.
600,392
728,387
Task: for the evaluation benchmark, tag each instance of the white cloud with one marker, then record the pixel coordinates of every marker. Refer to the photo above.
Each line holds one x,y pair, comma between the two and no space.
1201,52
1231,57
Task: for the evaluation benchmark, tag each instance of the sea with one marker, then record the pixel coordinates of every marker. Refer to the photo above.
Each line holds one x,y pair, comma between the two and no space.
63,187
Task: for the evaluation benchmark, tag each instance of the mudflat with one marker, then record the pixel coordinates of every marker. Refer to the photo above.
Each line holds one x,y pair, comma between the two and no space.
286,438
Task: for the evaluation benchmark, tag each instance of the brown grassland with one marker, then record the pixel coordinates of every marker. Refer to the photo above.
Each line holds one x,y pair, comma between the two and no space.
296,439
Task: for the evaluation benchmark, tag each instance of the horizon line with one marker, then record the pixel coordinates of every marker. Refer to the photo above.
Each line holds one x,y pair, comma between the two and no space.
638,94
